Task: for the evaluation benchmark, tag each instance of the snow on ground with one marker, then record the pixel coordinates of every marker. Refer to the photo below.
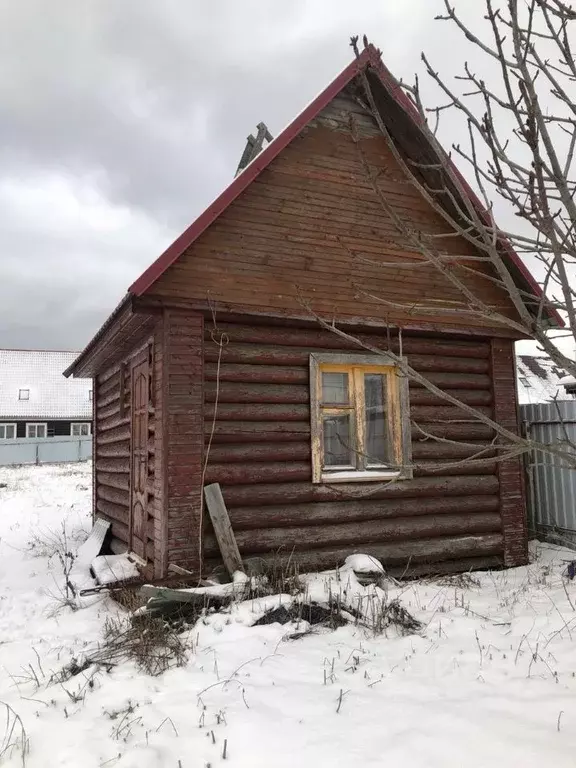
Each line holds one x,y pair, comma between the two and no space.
490,682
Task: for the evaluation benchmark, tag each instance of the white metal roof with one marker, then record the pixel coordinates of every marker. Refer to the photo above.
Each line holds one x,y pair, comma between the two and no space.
51,395
540,380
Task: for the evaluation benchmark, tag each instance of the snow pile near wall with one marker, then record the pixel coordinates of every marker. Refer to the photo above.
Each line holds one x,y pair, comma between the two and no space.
491,679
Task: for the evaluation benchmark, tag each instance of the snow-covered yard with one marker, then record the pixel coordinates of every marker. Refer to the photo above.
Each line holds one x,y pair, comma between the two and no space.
491,681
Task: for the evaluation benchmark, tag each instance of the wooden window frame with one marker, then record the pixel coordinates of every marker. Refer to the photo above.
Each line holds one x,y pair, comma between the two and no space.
398,416
5,426
80,424
36,424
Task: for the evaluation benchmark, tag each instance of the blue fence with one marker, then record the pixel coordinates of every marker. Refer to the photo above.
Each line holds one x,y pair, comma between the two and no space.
50,450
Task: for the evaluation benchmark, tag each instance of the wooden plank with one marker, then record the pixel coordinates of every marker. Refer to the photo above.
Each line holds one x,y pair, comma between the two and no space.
222,528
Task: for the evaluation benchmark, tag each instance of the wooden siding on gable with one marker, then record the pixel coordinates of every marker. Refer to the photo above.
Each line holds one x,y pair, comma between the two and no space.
260,454
310,234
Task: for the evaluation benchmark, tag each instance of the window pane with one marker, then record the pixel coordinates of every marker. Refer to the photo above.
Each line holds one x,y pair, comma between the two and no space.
338,450
377,442
335,388
10,432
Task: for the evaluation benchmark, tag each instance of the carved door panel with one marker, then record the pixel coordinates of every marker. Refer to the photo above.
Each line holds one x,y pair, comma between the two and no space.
139,489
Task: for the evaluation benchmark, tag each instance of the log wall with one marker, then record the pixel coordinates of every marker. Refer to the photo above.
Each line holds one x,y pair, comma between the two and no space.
112,450
257,422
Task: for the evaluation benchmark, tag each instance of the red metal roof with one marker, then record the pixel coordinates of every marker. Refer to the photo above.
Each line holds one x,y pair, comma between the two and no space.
369,56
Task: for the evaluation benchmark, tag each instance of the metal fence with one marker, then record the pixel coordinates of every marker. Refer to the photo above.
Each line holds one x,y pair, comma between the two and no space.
551,483
50,450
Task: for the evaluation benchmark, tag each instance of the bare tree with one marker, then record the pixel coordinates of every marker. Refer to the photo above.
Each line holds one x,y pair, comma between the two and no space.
521,130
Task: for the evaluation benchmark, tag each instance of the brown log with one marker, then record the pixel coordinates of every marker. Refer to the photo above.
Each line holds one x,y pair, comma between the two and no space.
225,453
115,495
445,413
233,392
257,374
466,396
108,381
431,449
112,511
113,465
464,565
241,474
297,493
451,431
315,337
397,553
109,410
257,412
113,481
352,534
239,431
119,450
243,518
116,435
119,531
454,467
274,355
113,422
110,398
456,380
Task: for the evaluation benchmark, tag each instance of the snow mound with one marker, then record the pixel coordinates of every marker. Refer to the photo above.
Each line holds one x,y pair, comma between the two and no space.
363,564
108,569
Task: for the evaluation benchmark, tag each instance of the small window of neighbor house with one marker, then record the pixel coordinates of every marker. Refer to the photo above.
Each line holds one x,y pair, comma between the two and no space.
7,431
80,430
90,394
23,394
360,419
36,430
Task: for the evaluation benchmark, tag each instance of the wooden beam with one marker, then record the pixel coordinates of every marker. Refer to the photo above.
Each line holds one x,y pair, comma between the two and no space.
222,528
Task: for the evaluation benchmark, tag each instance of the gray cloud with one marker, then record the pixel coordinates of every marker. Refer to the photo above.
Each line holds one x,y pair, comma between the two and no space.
120,121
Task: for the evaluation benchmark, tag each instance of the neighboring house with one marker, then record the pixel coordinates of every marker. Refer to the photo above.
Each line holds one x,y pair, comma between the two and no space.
214,368
540,380
37,401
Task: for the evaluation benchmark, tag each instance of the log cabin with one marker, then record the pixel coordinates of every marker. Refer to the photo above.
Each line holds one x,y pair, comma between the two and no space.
219,365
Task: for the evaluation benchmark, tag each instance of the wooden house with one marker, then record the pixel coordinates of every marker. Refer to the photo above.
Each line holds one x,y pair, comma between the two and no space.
215,368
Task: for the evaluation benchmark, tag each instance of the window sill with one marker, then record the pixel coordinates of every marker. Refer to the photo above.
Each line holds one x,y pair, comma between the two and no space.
352,476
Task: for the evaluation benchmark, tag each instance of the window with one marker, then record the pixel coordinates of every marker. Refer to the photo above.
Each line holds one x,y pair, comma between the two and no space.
7,431
90,394
80,430
36,430
23,394
360,419
525,382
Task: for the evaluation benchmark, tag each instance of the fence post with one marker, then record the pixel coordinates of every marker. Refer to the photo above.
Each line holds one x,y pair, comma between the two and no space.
37,453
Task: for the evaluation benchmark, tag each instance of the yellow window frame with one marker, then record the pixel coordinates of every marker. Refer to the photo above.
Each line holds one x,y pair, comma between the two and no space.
396,408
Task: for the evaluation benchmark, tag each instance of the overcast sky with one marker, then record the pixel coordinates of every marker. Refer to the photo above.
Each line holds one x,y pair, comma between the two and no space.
120,120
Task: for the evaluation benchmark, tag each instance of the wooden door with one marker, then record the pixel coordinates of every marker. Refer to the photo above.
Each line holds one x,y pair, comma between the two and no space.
139,479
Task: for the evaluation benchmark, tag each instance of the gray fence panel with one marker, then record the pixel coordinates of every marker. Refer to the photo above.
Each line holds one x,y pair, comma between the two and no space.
551,481
50,450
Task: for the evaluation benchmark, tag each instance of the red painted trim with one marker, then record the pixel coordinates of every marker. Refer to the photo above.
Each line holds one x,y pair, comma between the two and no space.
369,56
